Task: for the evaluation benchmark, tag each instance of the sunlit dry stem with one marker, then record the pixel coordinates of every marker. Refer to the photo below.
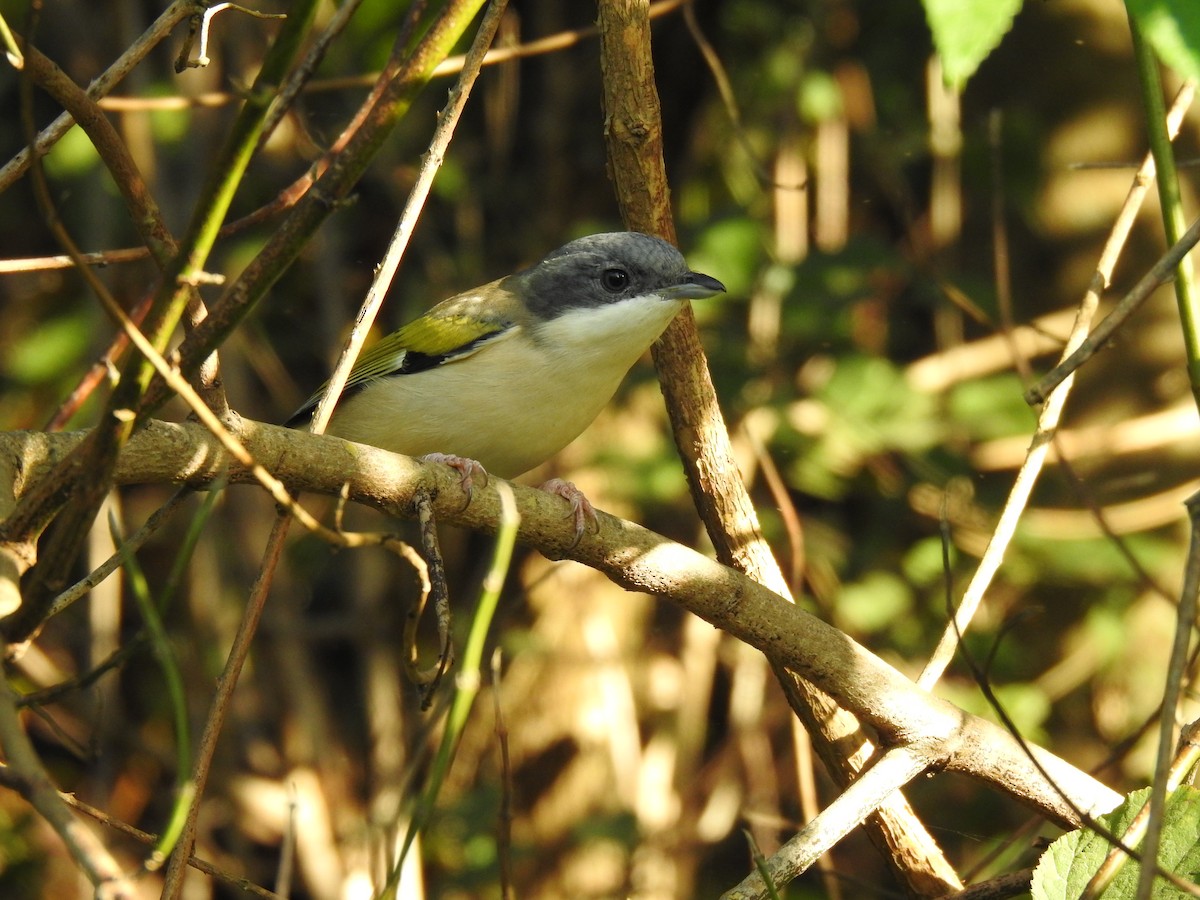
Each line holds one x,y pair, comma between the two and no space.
1160,273
431,162
894,768
1050,413
202,59
145,837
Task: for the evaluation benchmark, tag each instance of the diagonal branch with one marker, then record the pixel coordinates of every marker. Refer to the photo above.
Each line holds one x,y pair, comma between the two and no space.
24,773
628,554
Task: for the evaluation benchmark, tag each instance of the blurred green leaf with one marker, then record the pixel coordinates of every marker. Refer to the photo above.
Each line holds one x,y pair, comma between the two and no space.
72,156
1105,632
1173,29
1095,561
864,409
966,31
170,126
731,250
820,304
875,410
923,564
873,603
820,97
49,350
992,407
451,182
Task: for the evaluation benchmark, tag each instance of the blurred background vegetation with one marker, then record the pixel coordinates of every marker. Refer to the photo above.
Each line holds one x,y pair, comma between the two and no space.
852,206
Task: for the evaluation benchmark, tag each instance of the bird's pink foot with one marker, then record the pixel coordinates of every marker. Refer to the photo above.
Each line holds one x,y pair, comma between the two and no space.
467,469
582,511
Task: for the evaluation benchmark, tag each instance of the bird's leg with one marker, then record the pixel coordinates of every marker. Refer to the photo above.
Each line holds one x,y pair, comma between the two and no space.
582,511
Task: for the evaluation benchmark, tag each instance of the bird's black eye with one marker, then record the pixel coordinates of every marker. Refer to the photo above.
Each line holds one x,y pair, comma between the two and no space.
614,280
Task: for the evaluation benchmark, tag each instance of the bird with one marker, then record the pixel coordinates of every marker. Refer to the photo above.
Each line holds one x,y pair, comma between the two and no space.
500,378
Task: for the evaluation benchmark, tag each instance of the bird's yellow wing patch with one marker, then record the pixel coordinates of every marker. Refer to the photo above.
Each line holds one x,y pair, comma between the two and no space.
443,336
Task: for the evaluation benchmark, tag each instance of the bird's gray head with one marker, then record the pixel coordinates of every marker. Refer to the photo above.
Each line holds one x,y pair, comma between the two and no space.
607,268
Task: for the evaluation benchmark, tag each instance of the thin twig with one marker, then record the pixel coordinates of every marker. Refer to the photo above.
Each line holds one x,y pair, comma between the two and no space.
131,545
1185,621
145,837
158,31
24,773
329,185
273,486
210,13
1159,274
786,507
505,815
452,65
1180,768
1085,817
302,73
430,678
432,161
893,769
729,102
219,708
469,680
1049,415
47,695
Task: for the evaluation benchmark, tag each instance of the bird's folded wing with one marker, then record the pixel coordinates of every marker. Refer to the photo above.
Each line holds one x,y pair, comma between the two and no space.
422,344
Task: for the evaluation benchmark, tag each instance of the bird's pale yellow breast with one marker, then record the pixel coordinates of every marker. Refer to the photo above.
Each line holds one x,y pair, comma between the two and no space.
517,401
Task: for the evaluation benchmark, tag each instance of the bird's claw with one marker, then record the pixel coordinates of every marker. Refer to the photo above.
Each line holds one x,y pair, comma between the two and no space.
582,511
467,470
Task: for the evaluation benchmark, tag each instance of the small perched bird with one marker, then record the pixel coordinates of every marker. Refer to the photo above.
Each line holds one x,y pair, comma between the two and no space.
509,373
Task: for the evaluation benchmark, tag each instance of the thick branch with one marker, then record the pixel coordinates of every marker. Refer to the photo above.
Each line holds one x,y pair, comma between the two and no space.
631,556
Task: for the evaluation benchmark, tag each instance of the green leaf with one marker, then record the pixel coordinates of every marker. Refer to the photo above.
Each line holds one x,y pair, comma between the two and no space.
966,31
732,250
991,407
72,156
49,350
873,603
1173,29
820,97
1074,858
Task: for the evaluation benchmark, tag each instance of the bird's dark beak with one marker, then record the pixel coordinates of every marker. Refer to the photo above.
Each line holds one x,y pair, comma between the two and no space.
695,286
